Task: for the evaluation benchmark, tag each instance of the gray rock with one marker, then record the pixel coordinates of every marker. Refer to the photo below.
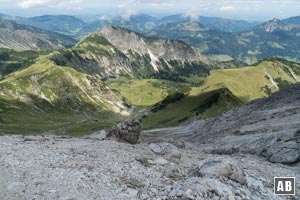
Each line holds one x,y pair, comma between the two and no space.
166,149
160,161
221,168
132,192
254,183
285,152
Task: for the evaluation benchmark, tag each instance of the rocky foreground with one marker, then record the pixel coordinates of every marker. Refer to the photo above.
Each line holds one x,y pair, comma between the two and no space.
53,167
234,156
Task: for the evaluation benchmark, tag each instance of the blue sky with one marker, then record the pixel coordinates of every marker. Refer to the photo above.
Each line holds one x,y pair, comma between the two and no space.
238,9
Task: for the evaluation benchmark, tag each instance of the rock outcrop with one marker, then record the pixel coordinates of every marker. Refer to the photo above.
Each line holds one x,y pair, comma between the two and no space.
128,131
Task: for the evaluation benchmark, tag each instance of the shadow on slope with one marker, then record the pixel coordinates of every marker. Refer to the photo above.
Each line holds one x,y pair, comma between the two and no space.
178,108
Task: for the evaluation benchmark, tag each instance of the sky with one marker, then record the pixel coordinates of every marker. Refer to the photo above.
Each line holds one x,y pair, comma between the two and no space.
235,9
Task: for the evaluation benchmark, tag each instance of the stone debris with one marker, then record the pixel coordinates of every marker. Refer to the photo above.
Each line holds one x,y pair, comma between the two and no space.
79,168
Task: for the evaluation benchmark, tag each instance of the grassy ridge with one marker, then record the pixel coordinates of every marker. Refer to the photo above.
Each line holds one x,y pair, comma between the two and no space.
45,97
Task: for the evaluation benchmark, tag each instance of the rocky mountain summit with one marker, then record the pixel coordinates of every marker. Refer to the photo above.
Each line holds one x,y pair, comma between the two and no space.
126,40
116,51
276,25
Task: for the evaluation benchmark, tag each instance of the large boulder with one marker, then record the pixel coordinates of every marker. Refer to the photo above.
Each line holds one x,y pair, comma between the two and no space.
128,131
284,152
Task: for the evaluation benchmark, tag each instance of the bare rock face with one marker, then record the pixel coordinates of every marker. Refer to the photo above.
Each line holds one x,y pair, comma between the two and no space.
128,131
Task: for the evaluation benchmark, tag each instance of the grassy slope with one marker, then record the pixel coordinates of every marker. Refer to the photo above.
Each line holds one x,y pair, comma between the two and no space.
242,84
146,92
45,97
140,92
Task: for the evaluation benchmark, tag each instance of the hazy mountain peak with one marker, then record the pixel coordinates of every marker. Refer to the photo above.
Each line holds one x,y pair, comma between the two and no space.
274,25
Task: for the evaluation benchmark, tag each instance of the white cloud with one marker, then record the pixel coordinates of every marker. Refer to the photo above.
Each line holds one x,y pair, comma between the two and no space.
103,17
132,7
228,9
56,4
32,3
194,14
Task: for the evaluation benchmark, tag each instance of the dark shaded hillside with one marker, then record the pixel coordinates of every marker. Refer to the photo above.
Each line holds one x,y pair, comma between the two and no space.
11,61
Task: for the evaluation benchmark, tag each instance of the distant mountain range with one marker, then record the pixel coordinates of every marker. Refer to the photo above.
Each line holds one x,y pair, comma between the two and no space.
218,38
272,38
144,23
64,24
19,36
140,23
